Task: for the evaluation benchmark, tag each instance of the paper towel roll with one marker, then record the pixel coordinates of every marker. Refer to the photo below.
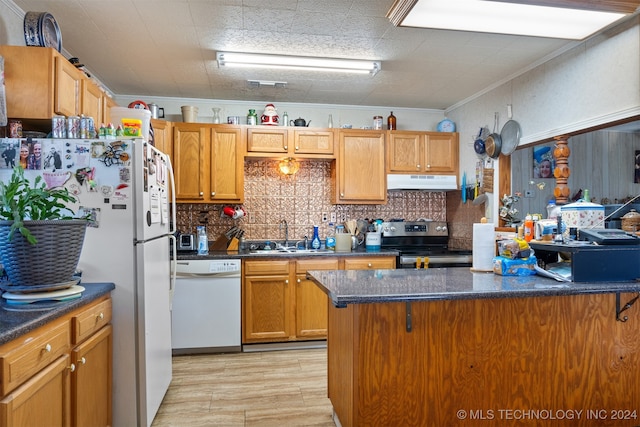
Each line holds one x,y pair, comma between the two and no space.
484,247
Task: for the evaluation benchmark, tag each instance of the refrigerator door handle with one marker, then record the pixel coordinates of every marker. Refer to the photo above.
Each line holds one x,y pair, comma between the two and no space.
174,264
172,227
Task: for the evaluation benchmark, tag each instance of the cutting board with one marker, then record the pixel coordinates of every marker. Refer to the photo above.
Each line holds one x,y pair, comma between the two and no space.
74,291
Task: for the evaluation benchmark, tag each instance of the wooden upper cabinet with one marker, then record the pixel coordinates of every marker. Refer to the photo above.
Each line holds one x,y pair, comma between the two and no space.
92,103
40,83
360,168
280,141
422,152
267,139
189,161
227,164
307,141
208,163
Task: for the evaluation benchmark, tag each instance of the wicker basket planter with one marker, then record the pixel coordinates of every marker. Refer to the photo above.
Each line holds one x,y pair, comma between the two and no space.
50,261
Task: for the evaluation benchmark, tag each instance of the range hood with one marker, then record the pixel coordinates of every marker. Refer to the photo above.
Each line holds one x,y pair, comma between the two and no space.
421,182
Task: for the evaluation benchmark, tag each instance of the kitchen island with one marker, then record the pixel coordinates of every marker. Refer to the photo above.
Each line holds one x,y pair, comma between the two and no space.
449,347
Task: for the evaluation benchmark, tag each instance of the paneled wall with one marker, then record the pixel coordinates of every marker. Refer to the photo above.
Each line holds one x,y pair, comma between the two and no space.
602,162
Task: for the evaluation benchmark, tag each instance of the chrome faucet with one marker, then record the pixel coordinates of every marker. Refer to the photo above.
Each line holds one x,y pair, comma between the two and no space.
286,232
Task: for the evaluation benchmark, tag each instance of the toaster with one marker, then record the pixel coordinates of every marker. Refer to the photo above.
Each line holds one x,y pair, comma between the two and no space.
186,243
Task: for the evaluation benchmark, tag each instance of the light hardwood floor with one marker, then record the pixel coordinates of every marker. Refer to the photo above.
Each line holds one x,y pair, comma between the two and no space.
270,388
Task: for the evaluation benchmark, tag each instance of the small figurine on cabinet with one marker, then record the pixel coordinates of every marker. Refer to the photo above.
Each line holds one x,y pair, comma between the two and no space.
269,116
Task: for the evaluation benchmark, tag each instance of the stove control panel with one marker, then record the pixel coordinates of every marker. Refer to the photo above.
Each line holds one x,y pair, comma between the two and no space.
418,228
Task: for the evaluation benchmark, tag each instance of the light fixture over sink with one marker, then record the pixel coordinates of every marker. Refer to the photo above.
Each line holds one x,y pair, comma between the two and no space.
304,63
289,166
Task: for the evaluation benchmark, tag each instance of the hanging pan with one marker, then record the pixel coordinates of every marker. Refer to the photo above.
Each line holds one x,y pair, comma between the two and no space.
478,143
493,143
510,135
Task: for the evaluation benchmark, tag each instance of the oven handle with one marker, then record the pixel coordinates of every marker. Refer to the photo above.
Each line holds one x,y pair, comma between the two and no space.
437,259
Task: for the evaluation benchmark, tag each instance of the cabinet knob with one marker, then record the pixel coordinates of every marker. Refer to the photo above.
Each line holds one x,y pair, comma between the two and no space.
213,193
299,281
297,148
72,368
47,348
369,265
286,147
286,282
82,361
100,317
428,166
417,166
341,194
202,193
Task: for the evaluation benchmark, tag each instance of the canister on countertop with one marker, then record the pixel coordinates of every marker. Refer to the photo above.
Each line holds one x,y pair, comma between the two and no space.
631,221
377,122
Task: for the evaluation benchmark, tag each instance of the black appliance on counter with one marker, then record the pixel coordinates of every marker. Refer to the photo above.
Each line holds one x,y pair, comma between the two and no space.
419,239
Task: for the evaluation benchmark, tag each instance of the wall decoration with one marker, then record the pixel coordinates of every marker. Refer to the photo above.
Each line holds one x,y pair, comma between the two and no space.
543,161
636,178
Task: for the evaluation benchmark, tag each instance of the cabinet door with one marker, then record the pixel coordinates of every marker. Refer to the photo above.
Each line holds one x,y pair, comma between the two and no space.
227,164
266,308
162,136
91,101
311,301
67,88
360,167
441,153
41,401
265,139
91,380
107,103
189,161
313,142
404,152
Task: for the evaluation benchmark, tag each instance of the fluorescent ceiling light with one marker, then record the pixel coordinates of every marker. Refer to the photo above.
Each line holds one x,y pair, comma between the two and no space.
262,83
502,17
256,60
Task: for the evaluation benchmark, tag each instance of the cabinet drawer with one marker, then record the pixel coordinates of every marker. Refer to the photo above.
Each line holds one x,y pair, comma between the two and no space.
37,351
381,263
266,267
304,265
87,322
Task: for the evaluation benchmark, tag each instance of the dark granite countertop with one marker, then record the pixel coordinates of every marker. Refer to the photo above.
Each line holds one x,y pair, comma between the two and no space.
18,319
371,286
276,254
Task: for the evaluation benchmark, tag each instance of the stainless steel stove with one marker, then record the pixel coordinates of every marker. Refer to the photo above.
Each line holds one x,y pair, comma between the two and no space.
416,240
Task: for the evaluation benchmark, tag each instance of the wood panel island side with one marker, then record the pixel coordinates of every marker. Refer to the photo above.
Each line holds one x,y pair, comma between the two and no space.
449,347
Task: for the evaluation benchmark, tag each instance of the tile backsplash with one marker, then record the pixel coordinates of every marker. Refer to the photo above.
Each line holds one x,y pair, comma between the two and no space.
301,200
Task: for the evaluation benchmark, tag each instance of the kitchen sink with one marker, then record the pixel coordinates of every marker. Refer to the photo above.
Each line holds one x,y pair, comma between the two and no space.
286,251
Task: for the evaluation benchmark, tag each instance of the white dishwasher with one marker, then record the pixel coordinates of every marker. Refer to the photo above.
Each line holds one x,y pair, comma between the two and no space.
206,309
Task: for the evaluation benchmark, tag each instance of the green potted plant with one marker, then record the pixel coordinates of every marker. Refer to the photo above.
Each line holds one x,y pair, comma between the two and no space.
40,240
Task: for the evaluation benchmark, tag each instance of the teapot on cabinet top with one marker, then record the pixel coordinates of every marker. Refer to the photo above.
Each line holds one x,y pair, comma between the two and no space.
299,122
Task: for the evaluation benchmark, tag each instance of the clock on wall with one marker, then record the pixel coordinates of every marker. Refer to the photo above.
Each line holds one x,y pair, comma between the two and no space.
446,125
41,29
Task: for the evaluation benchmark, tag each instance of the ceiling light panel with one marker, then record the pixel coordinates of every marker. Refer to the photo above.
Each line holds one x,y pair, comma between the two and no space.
281,62
508,18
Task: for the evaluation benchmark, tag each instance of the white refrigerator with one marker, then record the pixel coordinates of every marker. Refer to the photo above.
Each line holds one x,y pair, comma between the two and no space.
124,186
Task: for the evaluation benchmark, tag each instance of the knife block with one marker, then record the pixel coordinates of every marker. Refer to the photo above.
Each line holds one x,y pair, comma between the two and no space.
220,244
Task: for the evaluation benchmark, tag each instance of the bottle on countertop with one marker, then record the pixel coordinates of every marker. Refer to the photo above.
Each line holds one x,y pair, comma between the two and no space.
203,241
528,228
330,123
315,241
285,119
585,196
391,122
330,242
252,117
552,209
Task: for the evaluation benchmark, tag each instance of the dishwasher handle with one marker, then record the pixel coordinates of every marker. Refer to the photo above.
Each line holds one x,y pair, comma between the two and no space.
180,275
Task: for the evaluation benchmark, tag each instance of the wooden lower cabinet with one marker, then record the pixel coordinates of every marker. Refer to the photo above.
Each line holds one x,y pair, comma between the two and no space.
60,373
280,304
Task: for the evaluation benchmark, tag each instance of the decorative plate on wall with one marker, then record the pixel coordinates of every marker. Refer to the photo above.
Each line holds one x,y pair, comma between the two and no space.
41,29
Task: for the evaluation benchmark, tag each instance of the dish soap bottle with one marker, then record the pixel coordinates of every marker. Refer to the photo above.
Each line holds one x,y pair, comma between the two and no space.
315,241
528,228
330,243
203,242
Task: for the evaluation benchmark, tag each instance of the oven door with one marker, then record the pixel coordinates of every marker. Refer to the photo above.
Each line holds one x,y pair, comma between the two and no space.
453,259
